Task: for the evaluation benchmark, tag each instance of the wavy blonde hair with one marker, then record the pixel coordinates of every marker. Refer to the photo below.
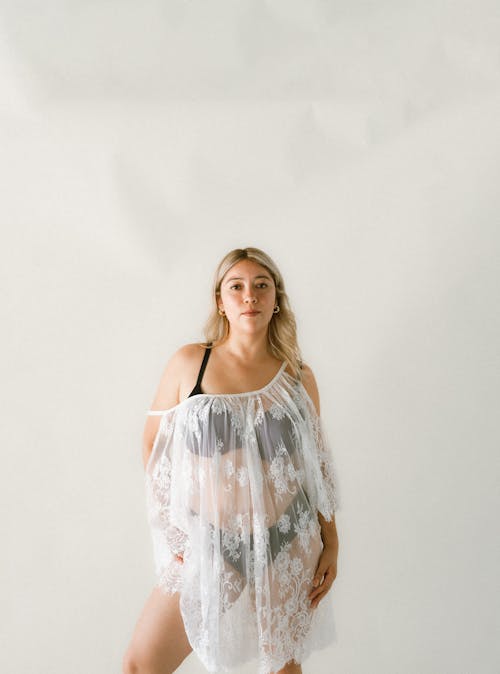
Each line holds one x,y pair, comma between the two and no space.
282,328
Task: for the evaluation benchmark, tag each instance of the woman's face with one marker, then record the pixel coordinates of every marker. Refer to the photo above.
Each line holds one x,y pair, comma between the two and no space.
247,286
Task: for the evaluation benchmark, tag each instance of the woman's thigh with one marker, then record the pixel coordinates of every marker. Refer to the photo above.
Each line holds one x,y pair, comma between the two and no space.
290,668
159,642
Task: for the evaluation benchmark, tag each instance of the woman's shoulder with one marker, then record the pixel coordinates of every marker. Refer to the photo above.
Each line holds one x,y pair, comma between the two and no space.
310,385
182,364
185,361
188,353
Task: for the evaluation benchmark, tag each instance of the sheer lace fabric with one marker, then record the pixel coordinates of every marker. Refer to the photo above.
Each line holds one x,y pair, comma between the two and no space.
234,483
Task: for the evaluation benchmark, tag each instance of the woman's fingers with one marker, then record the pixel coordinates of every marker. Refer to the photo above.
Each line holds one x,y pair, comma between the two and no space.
318,593
317,599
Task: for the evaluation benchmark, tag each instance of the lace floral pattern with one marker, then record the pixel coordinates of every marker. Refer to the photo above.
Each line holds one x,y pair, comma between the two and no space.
283,473
234,483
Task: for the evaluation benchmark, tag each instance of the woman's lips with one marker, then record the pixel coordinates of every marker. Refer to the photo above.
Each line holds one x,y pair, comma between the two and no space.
250,313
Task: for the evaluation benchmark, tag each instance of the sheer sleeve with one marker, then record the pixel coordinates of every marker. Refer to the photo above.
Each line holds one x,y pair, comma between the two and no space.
326,483
329,501
168,540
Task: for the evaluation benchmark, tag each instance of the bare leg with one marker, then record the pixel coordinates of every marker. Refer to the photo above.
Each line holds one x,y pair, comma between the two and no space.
159,643
290,668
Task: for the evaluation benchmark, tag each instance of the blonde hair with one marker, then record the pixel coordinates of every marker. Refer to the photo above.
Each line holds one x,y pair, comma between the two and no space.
282,328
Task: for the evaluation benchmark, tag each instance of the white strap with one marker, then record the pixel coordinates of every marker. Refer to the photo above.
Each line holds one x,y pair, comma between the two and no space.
155,411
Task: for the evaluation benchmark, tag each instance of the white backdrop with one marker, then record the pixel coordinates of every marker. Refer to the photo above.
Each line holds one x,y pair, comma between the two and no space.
359,145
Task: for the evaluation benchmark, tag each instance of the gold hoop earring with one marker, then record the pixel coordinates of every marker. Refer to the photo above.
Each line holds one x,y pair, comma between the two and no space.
276,309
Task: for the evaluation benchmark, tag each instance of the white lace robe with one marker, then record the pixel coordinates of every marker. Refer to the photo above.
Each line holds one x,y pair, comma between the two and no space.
234,483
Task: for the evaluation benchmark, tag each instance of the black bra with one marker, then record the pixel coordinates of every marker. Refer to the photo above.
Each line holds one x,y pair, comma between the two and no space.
197,388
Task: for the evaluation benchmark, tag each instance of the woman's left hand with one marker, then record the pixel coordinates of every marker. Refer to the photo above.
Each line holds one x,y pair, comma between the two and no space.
326,573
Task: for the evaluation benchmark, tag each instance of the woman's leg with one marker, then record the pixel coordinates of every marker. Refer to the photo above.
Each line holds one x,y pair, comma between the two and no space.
159,643
290,668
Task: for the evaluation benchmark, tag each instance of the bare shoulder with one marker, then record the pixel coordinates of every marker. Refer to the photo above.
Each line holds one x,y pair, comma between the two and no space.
180,364
309,382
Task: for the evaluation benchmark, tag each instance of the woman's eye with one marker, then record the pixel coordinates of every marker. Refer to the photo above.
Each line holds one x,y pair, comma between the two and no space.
237,285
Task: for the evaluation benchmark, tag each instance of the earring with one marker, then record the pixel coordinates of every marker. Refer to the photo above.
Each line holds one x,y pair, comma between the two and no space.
222,313
276,309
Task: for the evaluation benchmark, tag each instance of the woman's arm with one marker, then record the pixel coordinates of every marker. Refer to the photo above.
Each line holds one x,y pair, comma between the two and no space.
328,528
166,396
326,570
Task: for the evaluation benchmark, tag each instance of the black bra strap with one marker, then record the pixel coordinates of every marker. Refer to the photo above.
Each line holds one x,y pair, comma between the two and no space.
203,366
197,388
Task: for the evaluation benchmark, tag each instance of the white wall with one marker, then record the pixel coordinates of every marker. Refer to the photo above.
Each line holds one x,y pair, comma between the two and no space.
359,145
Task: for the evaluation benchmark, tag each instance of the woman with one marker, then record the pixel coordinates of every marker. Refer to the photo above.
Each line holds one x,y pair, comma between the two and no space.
241,491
